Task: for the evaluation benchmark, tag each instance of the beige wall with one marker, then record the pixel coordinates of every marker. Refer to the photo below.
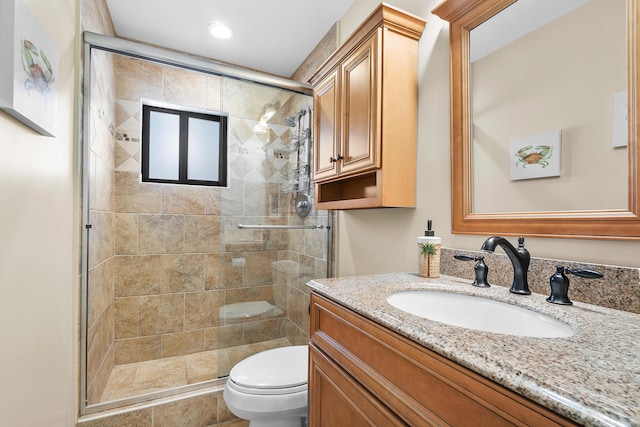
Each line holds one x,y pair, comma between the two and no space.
38,262
373,241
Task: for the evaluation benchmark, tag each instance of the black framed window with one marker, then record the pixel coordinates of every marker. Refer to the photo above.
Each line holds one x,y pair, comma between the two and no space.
183,147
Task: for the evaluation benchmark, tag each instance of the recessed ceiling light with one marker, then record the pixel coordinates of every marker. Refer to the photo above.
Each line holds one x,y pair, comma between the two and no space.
220,30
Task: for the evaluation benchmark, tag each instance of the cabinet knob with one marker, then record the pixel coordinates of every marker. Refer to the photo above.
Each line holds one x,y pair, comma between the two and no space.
332,160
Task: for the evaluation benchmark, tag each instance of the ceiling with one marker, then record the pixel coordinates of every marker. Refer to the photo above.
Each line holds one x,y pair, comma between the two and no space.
273,36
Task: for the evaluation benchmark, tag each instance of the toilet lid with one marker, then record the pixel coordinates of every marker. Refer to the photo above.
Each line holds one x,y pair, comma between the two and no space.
282,367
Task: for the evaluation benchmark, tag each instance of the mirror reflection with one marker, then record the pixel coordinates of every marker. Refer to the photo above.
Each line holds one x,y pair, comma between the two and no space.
548,106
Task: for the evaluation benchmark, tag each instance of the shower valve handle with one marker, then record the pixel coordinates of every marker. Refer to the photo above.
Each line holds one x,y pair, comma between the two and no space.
332,160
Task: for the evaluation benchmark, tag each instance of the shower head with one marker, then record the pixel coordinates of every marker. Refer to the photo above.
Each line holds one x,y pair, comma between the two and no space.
291,121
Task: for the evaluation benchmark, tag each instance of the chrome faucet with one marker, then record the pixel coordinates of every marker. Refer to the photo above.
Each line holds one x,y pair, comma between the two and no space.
520,259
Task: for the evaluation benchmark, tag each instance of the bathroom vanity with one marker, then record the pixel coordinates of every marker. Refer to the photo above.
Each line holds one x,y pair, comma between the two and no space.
374,364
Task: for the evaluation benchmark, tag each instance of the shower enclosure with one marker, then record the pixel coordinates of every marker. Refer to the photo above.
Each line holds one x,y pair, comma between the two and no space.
180,282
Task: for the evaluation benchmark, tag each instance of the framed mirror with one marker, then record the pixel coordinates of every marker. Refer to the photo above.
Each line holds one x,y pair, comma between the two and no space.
543,144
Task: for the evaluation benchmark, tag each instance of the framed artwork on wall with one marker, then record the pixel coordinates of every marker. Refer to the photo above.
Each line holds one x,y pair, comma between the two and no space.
535,156
28,68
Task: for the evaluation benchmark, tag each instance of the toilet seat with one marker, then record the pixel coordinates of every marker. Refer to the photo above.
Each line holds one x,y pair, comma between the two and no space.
277,371
266,391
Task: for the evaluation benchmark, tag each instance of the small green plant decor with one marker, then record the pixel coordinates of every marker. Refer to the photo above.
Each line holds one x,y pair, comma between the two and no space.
428,251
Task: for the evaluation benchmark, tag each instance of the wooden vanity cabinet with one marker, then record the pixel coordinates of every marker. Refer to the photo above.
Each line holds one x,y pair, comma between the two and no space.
365,125
346,402
369,375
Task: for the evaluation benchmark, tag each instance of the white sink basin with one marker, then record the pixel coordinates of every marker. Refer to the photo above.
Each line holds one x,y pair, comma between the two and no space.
479,313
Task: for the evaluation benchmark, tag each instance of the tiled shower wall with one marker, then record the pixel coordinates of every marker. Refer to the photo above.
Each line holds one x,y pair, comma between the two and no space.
100,331
170,256
179,254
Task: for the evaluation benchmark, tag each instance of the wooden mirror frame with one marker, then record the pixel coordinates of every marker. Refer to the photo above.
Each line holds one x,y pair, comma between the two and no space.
619,224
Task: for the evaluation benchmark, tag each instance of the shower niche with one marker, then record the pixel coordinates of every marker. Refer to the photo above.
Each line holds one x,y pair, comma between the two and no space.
174,290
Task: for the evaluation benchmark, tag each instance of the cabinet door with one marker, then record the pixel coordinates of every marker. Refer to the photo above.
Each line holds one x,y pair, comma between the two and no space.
327,125
422,387
361,85
337,400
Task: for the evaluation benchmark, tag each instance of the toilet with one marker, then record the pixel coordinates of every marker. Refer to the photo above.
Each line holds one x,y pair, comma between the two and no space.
270,388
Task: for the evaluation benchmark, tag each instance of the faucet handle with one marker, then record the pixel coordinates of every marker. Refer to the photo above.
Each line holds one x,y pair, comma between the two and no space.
463,257
559,283
583,272
481,270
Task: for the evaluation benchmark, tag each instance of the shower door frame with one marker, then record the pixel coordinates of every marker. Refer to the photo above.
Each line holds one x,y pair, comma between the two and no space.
119,46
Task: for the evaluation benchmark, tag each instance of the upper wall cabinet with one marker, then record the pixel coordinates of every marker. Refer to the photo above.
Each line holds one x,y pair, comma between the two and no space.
365,98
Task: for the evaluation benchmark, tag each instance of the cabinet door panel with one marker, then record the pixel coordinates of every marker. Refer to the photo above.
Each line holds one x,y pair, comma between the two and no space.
327,125
337,400
360,104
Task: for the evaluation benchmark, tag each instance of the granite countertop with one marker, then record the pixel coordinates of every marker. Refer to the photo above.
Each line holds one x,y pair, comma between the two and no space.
592,378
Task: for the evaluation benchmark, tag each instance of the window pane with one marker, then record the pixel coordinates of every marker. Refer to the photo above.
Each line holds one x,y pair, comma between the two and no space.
204,150
164,146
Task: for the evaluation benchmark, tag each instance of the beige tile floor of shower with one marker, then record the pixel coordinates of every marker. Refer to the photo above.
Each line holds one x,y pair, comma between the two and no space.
134,379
